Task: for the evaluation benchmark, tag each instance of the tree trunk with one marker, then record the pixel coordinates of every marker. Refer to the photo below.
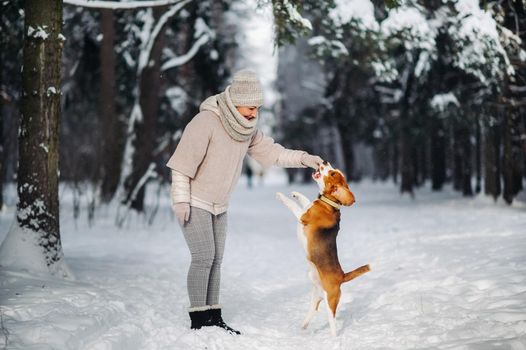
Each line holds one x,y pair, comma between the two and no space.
38,206
112,131
513,152
348,153
457,158
492,184
438,155
145,129
395,160
478,155
382,161
467,168
406,171
419,161
512,160
2,158
522,112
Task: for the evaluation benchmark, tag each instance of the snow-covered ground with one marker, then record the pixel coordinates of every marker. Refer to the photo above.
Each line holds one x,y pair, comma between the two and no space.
447,273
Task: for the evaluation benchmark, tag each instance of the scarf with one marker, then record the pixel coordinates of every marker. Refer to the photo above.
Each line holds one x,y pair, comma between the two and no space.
237,126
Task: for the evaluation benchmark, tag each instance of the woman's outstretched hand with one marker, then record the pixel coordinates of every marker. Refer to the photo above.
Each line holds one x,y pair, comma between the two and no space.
311,160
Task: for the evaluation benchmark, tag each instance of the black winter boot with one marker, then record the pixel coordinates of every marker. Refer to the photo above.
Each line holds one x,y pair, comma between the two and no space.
217,320
200,319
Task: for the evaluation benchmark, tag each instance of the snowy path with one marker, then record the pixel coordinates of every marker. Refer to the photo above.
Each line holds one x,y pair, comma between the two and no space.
447,273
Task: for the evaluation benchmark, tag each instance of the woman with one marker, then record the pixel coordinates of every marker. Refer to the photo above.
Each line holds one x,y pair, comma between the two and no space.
206,166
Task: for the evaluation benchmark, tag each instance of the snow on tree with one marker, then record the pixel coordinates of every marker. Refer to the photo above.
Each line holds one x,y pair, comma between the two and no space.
33,242
289,23
478,49
135,166
441,101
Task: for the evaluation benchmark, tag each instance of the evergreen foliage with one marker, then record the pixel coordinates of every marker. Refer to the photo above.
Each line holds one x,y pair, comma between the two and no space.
428,86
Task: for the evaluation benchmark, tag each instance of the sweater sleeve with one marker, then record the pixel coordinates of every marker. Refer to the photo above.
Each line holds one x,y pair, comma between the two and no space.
192,147
268,153
180,190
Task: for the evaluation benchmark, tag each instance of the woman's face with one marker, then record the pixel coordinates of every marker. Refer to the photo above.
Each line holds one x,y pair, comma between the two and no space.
248,112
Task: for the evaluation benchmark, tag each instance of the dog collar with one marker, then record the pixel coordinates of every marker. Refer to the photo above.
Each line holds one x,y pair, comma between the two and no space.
332,203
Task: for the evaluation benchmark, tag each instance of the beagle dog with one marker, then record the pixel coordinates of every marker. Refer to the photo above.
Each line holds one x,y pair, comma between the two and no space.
319,223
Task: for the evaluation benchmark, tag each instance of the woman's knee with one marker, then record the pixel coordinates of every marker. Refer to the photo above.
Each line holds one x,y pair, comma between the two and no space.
203,260
217,261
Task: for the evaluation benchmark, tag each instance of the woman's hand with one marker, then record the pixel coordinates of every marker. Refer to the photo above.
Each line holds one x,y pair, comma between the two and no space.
311,161
182,212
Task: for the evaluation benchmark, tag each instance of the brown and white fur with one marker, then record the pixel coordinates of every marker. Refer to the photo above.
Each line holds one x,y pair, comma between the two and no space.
317,230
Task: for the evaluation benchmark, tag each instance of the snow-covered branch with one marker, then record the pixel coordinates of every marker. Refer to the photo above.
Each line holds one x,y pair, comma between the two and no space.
166,142
149,174
295,16
180,60
144,56
118,5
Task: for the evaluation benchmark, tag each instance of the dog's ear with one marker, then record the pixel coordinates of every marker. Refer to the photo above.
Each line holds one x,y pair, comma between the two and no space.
331,184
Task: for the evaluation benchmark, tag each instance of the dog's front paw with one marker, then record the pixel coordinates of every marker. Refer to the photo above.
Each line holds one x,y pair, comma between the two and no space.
280,196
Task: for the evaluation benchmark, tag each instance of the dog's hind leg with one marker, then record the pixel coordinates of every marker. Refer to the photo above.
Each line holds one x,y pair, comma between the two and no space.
304,201
316,296
331,301
289,203
314,304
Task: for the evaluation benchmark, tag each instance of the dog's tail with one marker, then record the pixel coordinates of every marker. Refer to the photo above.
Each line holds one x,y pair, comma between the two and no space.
355,273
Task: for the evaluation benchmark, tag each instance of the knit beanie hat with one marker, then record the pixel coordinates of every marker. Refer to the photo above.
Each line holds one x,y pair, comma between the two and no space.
246,89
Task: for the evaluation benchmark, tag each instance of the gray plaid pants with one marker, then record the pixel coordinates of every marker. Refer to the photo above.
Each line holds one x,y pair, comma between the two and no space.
205,235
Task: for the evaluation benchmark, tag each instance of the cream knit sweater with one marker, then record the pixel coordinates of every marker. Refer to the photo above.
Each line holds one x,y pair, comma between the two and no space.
207,162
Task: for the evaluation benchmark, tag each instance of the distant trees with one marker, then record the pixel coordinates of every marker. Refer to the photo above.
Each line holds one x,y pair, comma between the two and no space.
435,88
139,57
11,42
133,76
97,90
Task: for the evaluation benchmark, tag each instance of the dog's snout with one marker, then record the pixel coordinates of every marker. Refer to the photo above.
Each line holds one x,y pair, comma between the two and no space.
353,199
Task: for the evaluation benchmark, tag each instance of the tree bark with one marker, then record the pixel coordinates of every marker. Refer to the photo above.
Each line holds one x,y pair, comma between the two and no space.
348,152
467,168
406,168
478,156
492,185
419,162
512,162
513,152
38,172
438,155
2,158
395,160
112,131
382,161
457,157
